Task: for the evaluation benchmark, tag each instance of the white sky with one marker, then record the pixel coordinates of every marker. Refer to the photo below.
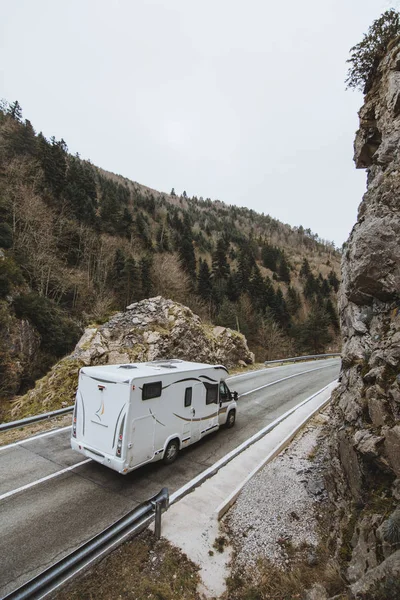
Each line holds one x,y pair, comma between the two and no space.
243,101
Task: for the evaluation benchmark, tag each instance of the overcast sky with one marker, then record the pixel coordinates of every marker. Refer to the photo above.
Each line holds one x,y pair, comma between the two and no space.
241,101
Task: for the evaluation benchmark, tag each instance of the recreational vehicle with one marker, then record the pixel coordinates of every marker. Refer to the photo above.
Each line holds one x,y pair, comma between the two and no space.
129,415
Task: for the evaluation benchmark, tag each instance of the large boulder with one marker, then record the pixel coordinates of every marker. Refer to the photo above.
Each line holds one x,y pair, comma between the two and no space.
159,328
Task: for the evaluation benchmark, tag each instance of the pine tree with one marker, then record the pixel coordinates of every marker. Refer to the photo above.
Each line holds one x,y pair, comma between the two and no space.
331,311
325,288
117,269
314,333
333,280
269,256
220,265
53,160
367,54
80,190
226,315
131,281
187,255
269,293
204,284
293,301
145,276
280,311
283,269
257,290
246,263
15,111
305,269
311,286
233,287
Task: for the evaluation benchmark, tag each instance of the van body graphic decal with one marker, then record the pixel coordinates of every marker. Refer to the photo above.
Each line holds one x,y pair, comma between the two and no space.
100,411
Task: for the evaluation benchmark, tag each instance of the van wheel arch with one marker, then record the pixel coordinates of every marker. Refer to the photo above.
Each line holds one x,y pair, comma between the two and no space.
171,451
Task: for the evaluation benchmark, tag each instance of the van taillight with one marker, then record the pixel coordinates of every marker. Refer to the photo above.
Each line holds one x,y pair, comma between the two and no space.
120,438
74,421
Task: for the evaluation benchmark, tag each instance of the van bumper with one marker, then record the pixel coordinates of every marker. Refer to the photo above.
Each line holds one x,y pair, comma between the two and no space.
108,460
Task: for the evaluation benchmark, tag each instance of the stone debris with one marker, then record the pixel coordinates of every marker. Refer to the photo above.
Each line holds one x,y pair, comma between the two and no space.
275,512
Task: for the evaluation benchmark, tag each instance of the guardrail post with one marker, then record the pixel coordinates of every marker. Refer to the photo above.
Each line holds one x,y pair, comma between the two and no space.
162,502
157,524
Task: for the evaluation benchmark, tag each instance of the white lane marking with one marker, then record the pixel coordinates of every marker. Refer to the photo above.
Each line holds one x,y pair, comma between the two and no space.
283,379
35,437
33,483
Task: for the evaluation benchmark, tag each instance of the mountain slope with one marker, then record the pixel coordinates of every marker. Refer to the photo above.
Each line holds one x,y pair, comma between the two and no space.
79,243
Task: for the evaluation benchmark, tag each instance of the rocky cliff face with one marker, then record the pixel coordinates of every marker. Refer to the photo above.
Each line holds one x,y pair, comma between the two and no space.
366,431
148,330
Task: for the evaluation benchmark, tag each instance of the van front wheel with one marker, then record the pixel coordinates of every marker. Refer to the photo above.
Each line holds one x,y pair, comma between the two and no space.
171,452
230,421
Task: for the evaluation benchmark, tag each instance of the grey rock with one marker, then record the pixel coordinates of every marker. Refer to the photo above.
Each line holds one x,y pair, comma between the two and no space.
378,411
381,576
396,489
158,328
367,443
317,592
364,552
392,448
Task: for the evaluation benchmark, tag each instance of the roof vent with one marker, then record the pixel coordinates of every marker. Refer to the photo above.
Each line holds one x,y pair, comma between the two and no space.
127,367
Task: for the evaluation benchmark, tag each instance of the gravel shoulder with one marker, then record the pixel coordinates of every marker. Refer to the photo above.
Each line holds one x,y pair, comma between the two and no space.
279,526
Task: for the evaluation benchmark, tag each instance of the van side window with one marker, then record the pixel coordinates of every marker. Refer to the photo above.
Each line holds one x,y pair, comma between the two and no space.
212,393
188,397
151,390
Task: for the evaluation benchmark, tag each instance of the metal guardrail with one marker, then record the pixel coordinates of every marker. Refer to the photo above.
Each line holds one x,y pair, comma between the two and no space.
299,358
132,523
35,418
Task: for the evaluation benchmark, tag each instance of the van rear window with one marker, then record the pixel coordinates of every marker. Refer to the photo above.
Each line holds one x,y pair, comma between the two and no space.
151,390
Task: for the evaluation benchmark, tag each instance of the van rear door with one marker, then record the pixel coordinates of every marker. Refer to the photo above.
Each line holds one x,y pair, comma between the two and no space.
101,407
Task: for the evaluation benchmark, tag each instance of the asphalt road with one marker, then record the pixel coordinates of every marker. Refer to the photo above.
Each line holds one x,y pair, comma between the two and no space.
46,520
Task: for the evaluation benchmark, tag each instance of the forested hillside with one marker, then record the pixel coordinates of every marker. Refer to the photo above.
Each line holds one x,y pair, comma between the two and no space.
77,243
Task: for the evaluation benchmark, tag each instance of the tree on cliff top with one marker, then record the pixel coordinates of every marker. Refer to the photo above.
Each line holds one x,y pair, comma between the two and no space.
366,55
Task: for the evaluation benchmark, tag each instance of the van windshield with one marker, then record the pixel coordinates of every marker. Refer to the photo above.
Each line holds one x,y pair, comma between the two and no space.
224,393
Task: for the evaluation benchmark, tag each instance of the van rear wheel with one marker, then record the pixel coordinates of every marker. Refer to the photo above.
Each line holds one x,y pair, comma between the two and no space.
231,418
171,452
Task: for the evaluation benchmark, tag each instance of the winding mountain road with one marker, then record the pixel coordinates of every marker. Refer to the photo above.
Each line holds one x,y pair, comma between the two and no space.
51,501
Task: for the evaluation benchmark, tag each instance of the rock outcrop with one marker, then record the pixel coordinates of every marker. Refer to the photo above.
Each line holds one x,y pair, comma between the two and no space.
148,330
159,328
366,427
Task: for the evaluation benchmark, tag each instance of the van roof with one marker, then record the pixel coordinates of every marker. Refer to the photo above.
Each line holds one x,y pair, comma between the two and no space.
128,371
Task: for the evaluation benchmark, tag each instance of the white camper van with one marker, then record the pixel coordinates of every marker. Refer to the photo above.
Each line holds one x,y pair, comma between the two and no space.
129,415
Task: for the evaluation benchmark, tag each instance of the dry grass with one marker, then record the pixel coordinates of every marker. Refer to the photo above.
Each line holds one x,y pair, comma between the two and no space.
254,367
55,390
269,582
141,568
21,433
